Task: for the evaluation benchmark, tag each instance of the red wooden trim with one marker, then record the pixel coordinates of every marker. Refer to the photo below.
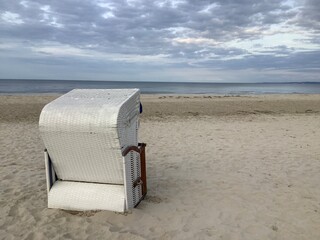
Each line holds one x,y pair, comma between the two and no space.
143,168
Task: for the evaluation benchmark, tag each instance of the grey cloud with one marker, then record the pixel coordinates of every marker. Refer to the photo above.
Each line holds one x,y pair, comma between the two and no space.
293,62
147,24
148,28
231,18
310,15
278,50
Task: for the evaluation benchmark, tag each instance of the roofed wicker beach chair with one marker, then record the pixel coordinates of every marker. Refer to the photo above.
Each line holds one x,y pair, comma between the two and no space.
93,159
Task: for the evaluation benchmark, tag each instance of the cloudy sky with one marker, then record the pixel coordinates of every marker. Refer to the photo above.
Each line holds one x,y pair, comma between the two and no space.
161,40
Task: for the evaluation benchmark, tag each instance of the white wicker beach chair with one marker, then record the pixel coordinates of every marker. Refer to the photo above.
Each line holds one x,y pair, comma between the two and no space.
93,159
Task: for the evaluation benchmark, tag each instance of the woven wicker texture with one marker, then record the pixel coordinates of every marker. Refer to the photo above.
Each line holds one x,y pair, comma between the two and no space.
85,131
86,196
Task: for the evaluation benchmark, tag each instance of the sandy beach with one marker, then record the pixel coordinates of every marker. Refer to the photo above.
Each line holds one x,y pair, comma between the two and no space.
218,167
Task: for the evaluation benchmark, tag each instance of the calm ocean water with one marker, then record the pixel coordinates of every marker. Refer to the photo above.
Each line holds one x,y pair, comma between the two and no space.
8,87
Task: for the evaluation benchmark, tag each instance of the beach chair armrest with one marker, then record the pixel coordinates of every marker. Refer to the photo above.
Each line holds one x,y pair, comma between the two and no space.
129,149
143,179
139,149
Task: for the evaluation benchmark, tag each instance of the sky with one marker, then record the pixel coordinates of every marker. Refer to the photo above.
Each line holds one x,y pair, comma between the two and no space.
161,40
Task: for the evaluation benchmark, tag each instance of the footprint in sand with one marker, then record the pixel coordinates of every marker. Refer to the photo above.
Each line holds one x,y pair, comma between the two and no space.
153,199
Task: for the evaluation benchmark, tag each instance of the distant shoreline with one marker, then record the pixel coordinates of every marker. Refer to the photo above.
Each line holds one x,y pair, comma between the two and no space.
49,87
169,82
28,107
168,94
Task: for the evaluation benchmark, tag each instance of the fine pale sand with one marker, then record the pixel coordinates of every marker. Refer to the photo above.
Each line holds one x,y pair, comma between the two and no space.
218,168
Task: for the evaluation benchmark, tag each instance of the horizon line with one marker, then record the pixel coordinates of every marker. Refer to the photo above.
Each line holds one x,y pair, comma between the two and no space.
126,81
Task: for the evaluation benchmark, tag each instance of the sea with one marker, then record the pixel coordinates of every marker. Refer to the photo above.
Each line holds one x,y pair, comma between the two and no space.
47,87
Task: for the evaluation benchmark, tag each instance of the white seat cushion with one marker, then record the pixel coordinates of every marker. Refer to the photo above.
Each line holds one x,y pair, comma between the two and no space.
81,196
